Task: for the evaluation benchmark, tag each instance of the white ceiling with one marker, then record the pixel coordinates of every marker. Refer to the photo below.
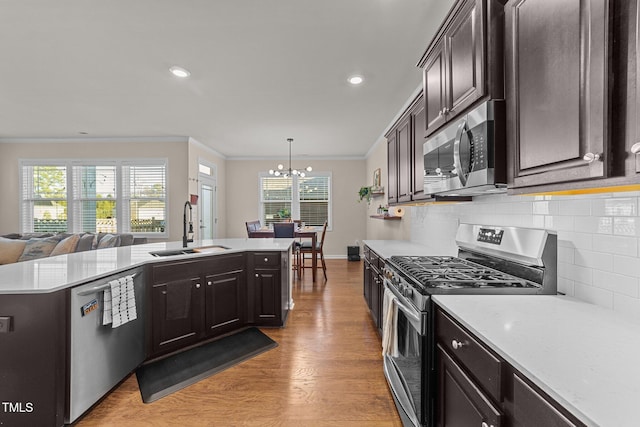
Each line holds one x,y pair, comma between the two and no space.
261,71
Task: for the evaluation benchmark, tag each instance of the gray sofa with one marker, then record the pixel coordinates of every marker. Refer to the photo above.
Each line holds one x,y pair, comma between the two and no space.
24,247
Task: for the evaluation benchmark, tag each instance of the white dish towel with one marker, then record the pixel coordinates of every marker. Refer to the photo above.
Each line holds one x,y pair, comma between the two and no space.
119,302
389,324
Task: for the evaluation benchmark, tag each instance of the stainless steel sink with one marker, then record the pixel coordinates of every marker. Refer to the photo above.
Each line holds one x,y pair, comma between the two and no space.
186,251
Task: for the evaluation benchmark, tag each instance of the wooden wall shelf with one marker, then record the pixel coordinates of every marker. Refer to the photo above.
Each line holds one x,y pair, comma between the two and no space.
385,217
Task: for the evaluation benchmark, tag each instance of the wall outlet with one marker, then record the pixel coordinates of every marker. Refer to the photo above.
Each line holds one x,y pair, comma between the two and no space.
5,324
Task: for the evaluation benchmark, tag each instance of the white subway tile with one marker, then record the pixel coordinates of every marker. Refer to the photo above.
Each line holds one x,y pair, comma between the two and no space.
620,245
566,254
596,296
596,260
626,226
579,274
593,224
575,207
576,240
629,266
617,283
627,206
558,223
537,221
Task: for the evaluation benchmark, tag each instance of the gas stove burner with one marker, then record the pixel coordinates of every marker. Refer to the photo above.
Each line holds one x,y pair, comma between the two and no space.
448,272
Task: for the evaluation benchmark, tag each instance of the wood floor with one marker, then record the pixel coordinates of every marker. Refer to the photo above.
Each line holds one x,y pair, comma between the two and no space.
326,371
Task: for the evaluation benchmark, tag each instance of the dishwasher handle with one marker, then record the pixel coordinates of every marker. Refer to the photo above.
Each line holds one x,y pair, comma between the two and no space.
99,288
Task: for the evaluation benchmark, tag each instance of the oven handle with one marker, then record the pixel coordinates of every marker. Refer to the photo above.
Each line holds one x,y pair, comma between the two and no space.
411,313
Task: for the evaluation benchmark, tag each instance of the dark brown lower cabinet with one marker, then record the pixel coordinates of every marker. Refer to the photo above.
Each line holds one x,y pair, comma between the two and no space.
176,308
476,387
461,403
373,285
225,296
266,286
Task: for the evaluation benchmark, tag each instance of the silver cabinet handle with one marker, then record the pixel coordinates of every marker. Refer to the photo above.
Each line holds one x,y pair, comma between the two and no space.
256,274
484,424
266,260
197,285
635,148
209,283
591,157
456,344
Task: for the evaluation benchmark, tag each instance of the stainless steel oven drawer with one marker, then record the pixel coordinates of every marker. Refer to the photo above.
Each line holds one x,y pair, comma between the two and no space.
477,360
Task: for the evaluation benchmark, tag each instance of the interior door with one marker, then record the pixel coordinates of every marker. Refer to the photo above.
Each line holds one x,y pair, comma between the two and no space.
207,203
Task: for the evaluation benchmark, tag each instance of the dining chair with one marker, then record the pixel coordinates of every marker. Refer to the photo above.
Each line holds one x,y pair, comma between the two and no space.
252,226
306,248
288,230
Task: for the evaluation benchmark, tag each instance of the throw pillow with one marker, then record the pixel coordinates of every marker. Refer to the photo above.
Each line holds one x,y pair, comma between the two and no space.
108,241
66,245
85,243
10,250
38,248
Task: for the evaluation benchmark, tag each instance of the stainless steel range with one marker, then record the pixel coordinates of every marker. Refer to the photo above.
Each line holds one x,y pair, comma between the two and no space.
491,260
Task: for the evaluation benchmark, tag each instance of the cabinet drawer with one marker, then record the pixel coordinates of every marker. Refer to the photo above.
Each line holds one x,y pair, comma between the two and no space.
173,271
266,259
486,368
223,263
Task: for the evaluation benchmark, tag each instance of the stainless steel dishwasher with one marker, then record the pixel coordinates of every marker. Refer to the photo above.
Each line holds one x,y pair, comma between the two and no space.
100,355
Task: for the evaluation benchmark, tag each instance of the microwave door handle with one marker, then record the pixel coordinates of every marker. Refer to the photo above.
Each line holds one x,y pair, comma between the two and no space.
462,127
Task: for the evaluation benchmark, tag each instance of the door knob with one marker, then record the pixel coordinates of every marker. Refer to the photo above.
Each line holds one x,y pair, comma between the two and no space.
456,344
591,157
197,285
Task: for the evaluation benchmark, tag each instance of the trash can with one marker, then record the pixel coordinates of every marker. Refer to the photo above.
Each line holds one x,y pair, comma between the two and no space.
353,253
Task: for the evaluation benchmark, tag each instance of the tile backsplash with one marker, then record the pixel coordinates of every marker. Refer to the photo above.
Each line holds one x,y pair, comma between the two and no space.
598,239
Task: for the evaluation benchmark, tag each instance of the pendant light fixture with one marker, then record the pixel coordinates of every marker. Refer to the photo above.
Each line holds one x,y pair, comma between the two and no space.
281,171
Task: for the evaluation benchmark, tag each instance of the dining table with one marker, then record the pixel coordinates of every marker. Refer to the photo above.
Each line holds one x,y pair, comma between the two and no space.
302,233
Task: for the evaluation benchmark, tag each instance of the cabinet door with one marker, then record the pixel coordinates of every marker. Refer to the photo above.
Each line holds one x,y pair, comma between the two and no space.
176,314
267,307
434,83
417,141
557,97
465,53
368,279
392,167
225,298
530,409
459,402
404,160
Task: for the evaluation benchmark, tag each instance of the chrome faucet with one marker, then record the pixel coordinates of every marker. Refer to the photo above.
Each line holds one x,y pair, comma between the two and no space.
187,238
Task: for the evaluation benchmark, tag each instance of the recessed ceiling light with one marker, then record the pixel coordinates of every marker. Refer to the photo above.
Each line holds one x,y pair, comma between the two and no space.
179,72
356,80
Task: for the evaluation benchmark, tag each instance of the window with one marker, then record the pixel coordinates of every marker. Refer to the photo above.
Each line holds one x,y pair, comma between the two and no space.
306,198
94,196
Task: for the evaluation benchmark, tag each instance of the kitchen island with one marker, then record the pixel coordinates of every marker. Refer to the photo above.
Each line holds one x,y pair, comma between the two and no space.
49,306
581,356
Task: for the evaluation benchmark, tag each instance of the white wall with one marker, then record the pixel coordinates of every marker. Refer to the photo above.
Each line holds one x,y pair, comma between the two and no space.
378,229
347,178
598,239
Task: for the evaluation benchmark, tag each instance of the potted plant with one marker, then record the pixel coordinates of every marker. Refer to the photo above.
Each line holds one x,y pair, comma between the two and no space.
365,192
284,213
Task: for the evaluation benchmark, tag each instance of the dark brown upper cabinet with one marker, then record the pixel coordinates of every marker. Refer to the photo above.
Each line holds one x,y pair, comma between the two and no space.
557,65
404,155
464,62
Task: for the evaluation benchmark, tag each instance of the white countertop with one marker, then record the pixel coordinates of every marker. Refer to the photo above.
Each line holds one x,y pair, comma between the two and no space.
586,357
59,272
388,248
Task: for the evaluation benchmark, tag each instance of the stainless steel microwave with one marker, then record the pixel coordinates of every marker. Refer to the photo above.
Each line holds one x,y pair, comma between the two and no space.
468,156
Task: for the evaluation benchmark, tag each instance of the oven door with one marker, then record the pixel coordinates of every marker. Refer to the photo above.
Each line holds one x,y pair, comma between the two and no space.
407,372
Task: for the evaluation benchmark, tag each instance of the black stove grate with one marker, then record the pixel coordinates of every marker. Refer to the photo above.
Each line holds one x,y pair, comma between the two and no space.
447,272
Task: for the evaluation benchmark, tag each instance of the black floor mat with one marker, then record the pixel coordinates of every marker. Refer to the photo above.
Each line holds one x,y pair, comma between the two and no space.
163,377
